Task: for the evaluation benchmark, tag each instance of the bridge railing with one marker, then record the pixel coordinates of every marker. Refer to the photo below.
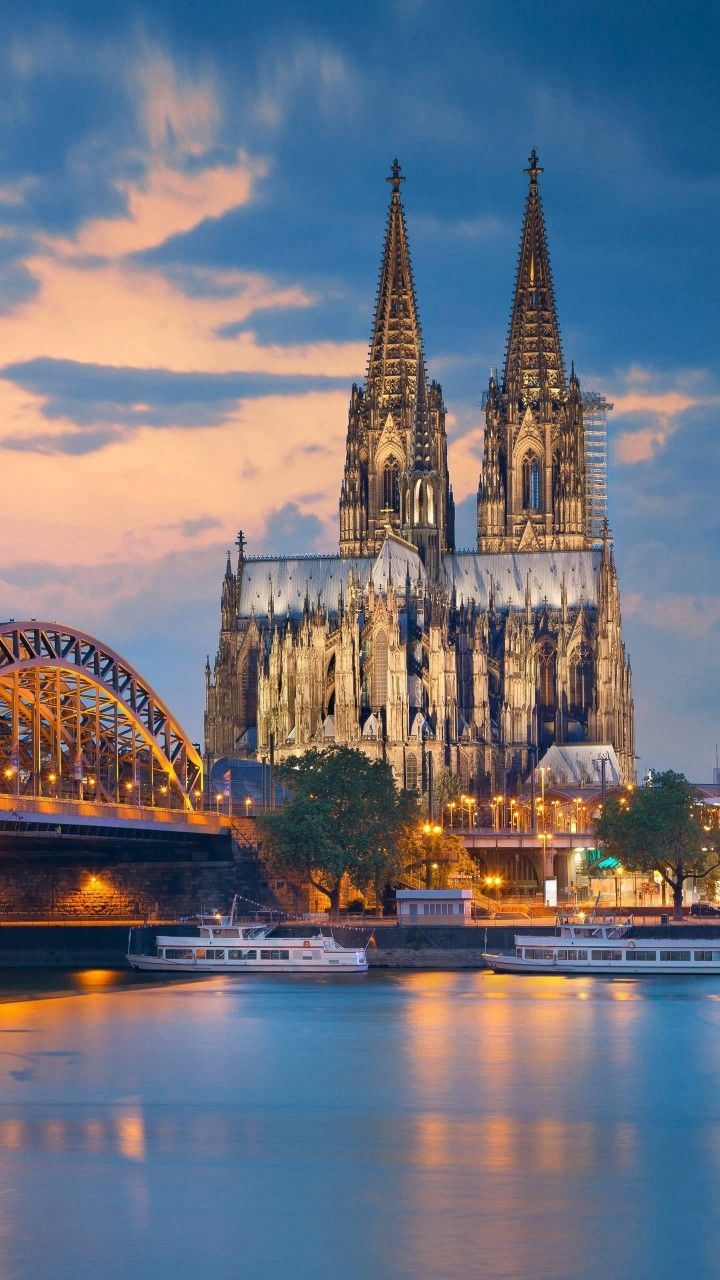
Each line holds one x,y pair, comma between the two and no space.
47,806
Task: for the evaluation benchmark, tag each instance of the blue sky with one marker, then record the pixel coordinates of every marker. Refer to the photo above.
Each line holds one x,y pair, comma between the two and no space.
192,203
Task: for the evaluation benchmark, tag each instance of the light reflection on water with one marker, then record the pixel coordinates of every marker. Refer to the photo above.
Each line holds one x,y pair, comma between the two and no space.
406,1125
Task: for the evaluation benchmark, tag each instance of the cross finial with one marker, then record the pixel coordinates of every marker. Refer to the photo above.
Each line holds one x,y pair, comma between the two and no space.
534,166
395,176
240,544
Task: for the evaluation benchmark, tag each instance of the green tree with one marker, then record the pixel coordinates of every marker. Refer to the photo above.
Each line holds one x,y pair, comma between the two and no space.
435,857
658,828
447,789
344,816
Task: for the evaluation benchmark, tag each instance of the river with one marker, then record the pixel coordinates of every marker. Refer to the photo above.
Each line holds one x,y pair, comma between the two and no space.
400,1126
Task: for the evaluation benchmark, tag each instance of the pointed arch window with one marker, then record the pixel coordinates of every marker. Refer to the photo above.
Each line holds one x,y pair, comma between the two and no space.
391,485
531,483
547,683
379,669
581,678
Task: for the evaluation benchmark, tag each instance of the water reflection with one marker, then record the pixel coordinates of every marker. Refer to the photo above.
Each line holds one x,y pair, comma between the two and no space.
409,1127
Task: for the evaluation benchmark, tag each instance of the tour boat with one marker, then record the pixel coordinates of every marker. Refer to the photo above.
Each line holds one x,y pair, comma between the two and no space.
605,947
221,945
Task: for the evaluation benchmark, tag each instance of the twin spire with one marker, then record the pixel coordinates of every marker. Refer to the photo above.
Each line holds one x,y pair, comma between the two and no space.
396,364
534,359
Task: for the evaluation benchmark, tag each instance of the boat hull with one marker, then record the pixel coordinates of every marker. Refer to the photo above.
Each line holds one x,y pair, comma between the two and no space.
614,968
155,964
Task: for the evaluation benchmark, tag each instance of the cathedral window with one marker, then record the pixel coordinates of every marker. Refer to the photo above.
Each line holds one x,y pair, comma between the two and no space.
581,674
379,669
411,771
531,483
546,674
391,486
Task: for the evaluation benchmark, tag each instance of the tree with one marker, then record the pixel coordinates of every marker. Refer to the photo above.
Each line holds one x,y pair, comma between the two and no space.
344,816
658,828
447,789
435,856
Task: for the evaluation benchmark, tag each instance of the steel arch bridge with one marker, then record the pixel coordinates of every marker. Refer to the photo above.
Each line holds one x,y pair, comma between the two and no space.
77,721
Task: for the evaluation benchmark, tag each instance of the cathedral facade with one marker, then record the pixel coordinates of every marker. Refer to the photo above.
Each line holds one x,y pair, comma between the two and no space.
401,645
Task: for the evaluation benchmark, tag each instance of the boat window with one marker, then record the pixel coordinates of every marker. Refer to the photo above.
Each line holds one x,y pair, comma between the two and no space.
606,955
178,953
640,955
675,955
236,954
539,953
518,952
703,955
274,955
579,954
211,953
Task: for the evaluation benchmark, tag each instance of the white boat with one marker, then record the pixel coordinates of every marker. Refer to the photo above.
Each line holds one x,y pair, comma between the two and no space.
222,945
605,947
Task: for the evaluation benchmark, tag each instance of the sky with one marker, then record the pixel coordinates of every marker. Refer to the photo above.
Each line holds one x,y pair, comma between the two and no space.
192,206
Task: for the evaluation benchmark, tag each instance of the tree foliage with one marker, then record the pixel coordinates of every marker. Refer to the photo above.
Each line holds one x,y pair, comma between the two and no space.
658,828
344,816
432,857
447,788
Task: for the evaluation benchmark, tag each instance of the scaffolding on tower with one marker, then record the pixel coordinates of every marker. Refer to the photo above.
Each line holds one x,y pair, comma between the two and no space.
595,411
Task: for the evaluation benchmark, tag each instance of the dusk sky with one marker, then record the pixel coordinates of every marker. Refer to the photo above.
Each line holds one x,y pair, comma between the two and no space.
192,203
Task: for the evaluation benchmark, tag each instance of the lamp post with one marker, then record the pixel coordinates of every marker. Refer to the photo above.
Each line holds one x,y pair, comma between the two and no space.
452,807
432,830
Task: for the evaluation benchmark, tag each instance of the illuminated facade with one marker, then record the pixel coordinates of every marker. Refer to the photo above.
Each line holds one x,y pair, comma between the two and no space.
402,645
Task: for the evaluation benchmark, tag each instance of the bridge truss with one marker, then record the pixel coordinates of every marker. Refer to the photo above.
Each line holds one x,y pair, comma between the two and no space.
79,722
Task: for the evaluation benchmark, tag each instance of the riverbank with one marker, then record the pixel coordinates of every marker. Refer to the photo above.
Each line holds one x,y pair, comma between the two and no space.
104,946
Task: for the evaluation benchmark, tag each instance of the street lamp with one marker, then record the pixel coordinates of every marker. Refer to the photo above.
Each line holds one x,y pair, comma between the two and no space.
452,807
432,831
219,797
248,802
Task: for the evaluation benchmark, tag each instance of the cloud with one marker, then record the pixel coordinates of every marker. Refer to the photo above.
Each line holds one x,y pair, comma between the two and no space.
121,315
648,411
287,529
482,229
165,202
191,528
180,112
126,504
685,613
465,448
310,70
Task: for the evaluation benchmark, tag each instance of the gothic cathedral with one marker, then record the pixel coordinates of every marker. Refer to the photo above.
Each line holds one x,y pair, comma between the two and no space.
478,661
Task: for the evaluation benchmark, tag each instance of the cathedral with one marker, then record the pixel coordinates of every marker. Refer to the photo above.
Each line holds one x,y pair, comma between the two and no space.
478,661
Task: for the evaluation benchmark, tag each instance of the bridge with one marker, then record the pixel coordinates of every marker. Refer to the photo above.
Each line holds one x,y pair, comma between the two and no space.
527,855
79,724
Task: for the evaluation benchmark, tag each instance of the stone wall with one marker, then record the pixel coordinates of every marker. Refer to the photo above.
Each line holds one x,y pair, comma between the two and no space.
127,891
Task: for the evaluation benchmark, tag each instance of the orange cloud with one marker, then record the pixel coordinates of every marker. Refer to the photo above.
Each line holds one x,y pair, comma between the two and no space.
178,112
120,505
166,202
666,407
687,614
638,446
120,315
464,459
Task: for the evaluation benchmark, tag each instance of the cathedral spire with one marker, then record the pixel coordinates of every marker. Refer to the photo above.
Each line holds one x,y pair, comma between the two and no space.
395,362
534,351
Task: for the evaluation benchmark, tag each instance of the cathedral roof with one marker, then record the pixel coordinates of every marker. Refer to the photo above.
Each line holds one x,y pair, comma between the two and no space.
473,575
534,351
288,582
579,764
394,561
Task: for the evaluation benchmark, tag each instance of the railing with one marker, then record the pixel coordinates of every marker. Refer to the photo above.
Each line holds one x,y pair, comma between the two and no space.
30,806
